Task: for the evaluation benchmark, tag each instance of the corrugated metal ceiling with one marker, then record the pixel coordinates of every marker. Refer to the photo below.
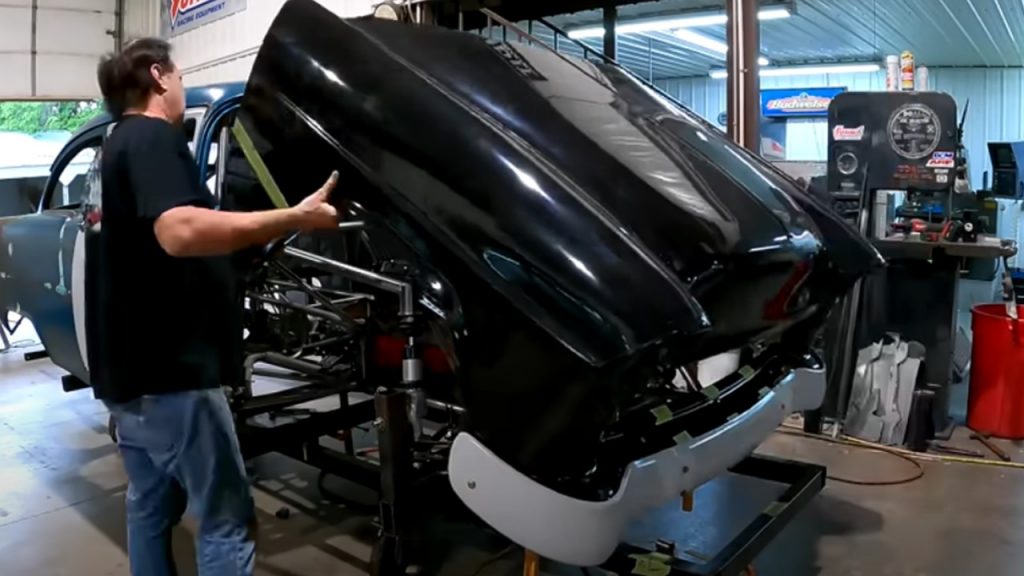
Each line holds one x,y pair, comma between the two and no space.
940,33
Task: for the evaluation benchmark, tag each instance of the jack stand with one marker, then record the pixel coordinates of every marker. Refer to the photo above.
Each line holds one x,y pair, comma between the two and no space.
391,553
531,564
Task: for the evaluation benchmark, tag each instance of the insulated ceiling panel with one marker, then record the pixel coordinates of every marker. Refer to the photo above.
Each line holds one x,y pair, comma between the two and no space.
941,33
652,56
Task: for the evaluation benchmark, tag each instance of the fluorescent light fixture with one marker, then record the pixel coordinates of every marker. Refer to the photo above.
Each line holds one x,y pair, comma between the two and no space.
664,24
708,43
808,70
648,26
701,40
777,13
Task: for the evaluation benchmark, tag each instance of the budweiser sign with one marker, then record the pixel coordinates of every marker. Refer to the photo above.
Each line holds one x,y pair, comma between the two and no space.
802,102
840,133
786,102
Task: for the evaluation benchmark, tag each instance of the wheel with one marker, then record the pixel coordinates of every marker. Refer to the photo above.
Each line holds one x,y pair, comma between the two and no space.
112,428
387,558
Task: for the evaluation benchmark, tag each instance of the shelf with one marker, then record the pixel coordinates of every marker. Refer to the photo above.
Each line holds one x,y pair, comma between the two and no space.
987,247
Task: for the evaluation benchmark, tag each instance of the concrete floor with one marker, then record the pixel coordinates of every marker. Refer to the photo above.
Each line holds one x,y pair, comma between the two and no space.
62,489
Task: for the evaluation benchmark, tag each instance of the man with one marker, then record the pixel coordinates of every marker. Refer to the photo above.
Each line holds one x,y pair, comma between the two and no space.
164,321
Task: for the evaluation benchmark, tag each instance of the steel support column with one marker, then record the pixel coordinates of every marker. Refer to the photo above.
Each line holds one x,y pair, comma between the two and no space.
610,15
119,25
743,108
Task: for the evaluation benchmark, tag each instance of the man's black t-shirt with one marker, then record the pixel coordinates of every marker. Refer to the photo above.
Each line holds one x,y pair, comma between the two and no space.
156,323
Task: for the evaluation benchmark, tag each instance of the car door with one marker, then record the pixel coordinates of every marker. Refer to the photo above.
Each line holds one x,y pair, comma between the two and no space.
43,255
38,253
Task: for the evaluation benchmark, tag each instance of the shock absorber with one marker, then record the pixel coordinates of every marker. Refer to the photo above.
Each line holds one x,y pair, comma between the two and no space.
412,364
412,373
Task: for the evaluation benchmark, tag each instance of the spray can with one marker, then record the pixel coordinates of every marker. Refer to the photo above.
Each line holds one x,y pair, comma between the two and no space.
907,71
922,79
892,73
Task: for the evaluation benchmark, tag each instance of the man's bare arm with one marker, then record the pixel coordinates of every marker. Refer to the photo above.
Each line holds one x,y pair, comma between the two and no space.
188,231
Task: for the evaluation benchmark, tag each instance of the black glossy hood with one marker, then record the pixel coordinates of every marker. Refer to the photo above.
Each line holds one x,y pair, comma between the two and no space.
607,214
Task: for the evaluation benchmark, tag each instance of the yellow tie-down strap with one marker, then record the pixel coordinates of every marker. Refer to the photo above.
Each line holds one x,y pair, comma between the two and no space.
651,564
258,166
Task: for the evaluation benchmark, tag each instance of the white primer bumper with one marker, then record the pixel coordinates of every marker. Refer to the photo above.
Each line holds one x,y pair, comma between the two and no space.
586,533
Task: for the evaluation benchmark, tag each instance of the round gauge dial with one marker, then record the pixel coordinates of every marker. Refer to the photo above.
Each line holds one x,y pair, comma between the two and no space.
847,163
914,131
387,11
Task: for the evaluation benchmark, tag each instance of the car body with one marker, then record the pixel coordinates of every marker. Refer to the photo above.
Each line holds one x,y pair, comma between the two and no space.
42,268
576,238
565,239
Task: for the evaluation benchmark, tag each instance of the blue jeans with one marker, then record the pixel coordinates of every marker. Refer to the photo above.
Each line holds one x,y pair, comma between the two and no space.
181,450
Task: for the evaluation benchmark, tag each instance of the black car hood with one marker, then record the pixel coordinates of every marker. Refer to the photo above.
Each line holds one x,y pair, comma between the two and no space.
592,203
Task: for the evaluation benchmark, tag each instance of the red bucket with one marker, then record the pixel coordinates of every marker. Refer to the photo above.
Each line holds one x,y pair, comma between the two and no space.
996,402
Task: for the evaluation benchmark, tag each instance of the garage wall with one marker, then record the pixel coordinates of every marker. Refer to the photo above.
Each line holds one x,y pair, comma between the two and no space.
222,50
49,48
142,18
996,113
995,94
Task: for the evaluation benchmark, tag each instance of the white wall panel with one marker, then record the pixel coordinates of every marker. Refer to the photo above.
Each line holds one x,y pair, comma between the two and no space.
69,32
141,18
225,49
16,70
97,5
15,29
234,69
213,46
63,71
56,57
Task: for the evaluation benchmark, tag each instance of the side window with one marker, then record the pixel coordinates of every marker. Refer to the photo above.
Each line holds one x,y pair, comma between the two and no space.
92,201
72,183
213,168
192,121
189,127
